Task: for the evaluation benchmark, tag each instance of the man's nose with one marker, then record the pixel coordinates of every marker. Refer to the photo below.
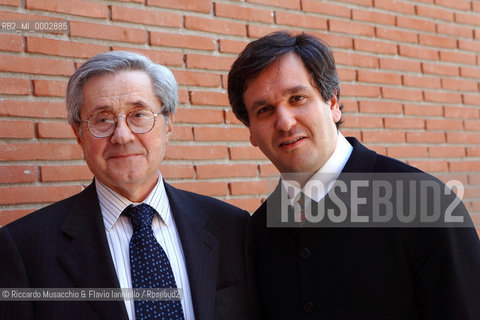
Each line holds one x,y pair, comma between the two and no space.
122,133
286,118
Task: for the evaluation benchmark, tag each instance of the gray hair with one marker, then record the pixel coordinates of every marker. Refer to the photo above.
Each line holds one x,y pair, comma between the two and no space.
163,81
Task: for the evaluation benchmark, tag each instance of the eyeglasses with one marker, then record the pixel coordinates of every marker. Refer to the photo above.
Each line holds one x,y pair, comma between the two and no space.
103,124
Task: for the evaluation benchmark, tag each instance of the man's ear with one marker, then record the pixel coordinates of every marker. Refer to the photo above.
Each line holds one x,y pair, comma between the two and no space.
335,108
252,141
78,134
169,126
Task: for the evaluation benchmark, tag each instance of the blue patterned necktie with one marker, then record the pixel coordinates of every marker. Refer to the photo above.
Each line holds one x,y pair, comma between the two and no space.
150,267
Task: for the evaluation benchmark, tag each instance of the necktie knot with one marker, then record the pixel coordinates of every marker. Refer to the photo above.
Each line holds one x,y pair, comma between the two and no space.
141,215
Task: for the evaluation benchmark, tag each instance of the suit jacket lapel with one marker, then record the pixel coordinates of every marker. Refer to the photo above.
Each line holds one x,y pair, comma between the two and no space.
87,258
200,248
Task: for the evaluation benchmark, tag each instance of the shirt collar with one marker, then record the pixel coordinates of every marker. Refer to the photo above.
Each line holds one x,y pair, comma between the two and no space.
112,204
322,180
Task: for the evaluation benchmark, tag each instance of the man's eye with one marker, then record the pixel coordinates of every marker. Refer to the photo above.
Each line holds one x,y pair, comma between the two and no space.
297,98
264,109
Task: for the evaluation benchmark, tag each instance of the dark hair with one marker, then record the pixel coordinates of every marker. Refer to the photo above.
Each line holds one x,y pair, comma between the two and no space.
259,54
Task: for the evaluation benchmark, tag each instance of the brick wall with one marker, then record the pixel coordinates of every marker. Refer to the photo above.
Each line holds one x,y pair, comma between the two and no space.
410,73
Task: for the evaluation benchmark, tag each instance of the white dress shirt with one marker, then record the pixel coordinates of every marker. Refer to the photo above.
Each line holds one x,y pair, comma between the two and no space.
119,230
323,180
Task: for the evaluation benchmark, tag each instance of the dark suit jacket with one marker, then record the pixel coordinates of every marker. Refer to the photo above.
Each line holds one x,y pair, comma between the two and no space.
64,246
366,273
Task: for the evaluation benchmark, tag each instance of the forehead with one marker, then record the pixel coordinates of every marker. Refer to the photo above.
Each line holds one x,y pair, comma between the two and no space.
111,90
279,77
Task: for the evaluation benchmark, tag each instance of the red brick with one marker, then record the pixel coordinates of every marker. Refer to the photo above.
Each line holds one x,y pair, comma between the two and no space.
429,165
169,58
246,153
473,151
447,97
65,173
366,3
417,24
183,96
289,4
257,31
18,174
362,122
378,77
231,46
327,8
54,130
14,3
197,115
383,136
400,64
335,40
36,65
146,16
434,12
463,137
469,45
396,35
404,123
220,134
462,112
374,46
209,98
440,69
181,133
422,110
75,7
40,151
187,5
203,187
459,84
379,107
471,125
467,18
200,61
436,41
177,171
421,82
38,109
302,20
474,178
441,124
268,170
210,171
446,151
395,6
193,78
354,59
455,30
472,99
15,86
418,52
63,48
407,152
182,41
189,152
454,4
425,137
453,56
37,194
476,6
347,74
215,26
372,16
49,88
239,12
107,32
11,42
460,166
230,117
402,94
349,105
356,90
16,129
349,27
248,187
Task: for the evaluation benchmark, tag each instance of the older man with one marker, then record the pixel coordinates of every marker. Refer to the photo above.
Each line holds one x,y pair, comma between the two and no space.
350,253
128,229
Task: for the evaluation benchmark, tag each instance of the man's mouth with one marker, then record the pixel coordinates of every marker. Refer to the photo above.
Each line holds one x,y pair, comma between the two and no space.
292,141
